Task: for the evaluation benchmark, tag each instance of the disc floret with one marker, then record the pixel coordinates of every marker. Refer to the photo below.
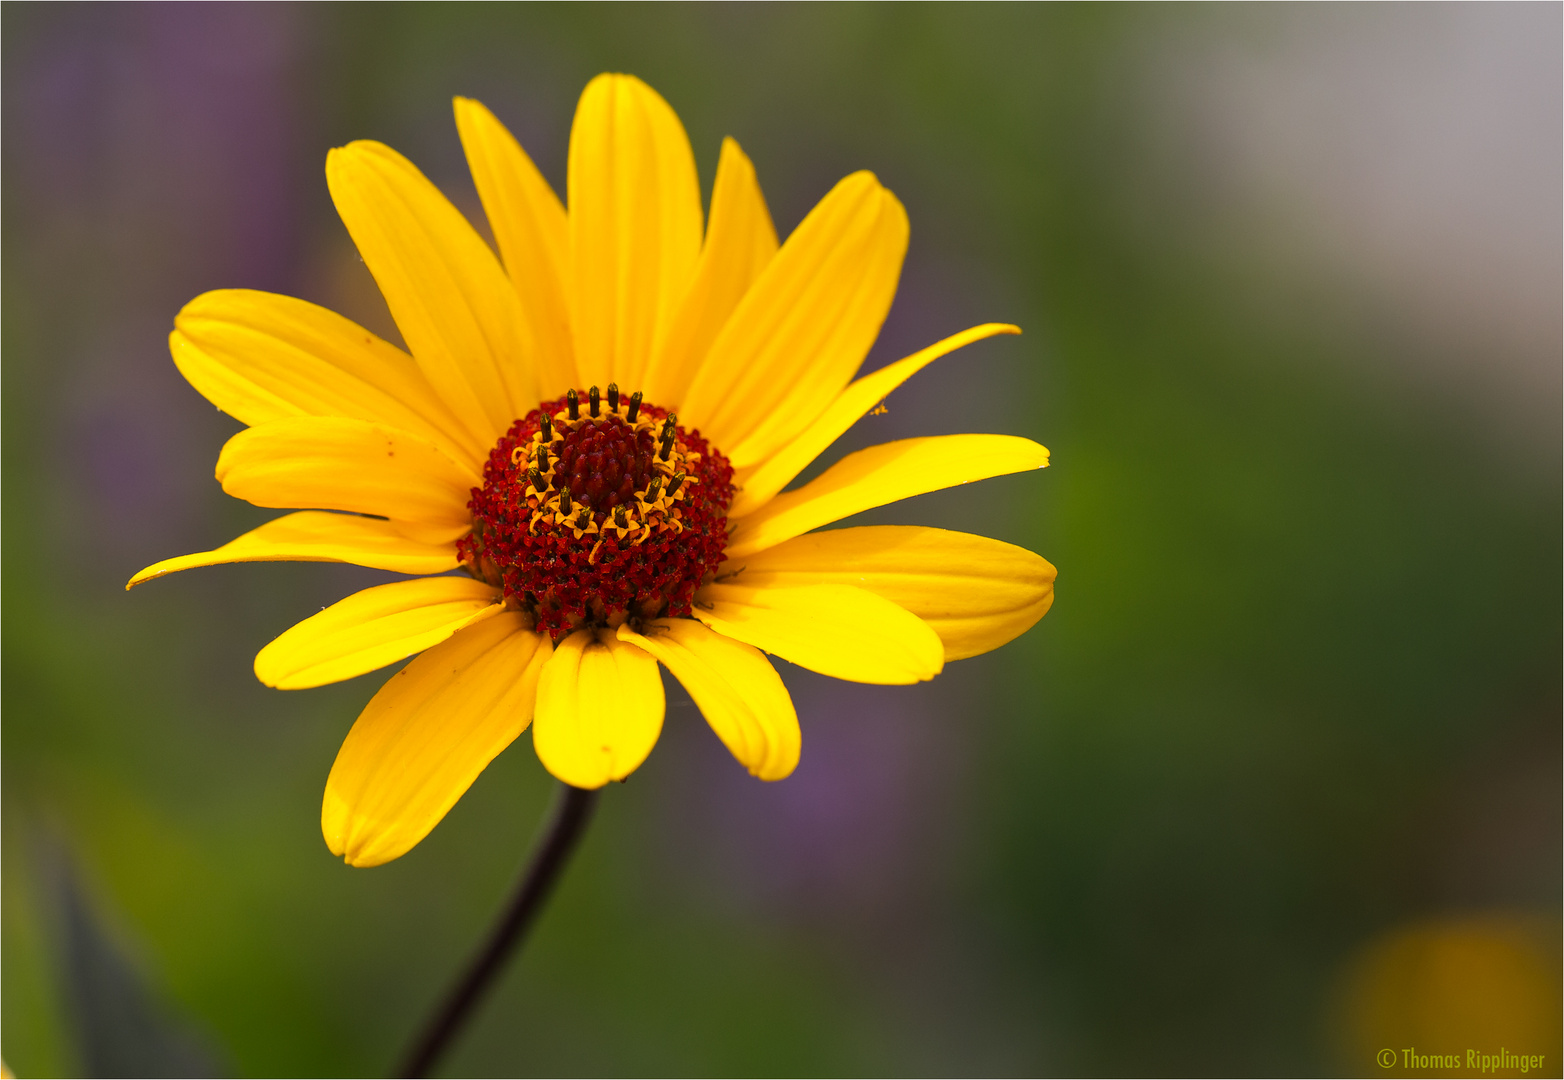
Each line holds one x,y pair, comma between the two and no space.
597,509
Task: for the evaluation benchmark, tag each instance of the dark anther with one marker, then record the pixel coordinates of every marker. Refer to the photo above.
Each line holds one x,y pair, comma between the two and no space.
653,488
635,406
585,519
613,397
546,429
537,479
542,458
674,484
620,519
573,403
592,401
564,494
667,439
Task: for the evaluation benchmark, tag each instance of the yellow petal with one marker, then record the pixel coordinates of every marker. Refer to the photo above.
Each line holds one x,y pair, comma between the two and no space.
736,689
600,709
456,309
806,324
425,737
837,630
740,241
861,396
974,592
338,464
259,356
635,227
373,628
311,536
533,235
879,475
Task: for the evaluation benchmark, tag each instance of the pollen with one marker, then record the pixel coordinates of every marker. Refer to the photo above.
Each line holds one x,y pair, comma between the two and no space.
597,509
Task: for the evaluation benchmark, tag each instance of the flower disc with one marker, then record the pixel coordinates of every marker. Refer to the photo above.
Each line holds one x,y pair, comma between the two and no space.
594,512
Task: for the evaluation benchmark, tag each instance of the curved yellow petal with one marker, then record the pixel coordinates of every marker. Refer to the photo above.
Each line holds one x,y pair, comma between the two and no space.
635,227
373,628
533,235
879,475
736,689
740,241
600,709
837,630
974,592
314,536
424,738
259,356
850,405
338,464
806,324
454,305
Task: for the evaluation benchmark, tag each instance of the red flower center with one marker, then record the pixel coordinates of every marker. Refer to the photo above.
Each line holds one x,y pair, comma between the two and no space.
594,512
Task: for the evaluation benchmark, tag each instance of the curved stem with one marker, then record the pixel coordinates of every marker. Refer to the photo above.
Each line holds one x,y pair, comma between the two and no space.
568,818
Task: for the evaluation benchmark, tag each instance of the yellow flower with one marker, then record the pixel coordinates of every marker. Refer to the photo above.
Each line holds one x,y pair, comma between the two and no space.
597,426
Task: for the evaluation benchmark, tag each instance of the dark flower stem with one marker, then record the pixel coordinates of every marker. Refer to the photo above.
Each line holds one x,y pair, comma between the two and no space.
568,818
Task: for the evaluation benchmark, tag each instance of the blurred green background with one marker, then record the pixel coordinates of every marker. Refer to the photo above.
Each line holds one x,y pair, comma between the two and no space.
1274,786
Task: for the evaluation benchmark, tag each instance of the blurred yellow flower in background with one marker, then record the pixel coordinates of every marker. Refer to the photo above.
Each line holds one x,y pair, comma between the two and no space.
597,426
1483,984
